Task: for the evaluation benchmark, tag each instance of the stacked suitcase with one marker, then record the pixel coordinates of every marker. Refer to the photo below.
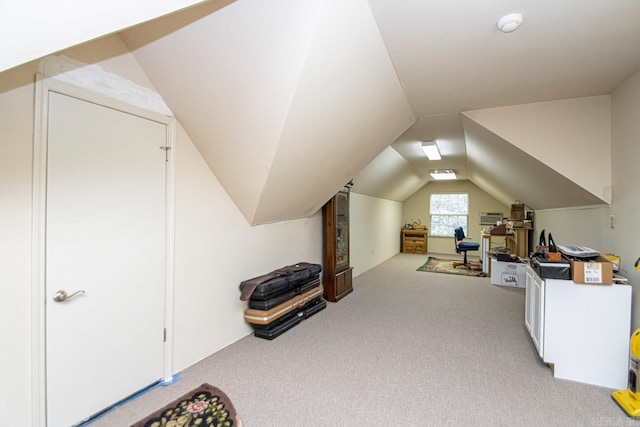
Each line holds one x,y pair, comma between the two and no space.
280,300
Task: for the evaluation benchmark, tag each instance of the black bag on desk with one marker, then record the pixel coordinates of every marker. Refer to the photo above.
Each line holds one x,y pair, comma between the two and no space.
278,281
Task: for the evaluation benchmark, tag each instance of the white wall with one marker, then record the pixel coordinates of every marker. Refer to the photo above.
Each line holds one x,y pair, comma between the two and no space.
215,246
584,226
375,231
16,139
215,250
590,226
554,132
625,178
417,207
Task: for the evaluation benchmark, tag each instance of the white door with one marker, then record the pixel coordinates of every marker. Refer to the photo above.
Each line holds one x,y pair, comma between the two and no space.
105,236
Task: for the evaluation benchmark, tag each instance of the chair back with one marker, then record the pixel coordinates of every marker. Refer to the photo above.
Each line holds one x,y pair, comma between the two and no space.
458,236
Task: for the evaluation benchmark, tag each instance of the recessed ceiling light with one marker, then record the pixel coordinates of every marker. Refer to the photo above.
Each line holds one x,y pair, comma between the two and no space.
510,22
431,150
443,174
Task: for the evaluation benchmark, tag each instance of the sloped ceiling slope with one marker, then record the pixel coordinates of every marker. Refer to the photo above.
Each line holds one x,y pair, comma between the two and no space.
397,177
388,176
286,101
508,173
451,57
572,136
36,29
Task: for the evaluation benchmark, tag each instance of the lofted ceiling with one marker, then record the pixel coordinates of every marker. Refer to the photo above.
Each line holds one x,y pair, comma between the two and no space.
287,101
451,58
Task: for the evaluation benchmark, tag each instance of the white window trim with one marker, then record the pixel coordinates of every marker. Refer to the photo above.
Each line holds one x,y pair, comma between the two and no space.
431,215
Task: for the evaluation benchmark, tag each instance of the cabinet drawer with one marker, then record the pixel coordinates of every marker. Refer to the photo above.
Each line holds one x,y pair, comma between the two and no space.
415,247
414,241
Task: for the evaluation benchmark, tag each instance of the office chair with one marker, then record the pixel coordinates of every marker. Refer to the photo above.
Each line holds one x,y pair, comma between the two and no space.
463,247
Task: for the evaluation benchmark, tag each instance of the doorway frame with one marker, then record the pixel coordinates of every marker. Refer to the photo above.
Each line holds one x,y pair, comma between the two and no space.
43,86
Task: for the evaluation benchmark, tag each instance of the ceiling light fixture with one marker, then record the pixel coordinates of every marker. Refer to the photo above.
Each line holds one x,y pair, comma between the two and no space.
431,150
443,174
510,22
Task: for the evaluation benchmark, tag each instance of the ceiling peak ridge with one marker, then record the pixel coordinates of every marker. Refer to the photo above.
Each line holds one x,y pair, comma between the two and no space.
424,116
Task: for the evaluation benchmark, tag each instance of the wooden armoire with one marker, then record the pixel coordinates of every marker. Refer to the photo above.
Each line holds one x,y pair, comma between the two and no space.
337,271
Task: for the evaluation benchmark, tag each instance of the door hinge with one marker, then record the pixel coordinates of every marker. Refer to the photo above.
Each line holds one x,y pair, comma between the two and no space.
164,335
166,152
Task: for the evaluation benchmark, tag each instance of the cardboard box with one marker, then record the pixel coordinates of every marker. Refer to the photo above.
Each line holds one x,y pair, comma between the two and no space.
511,274
517,211
598,271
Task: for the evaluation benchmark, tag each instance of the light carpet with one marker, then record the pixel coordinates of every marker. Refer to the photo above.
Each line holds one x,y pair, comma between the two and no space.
396,352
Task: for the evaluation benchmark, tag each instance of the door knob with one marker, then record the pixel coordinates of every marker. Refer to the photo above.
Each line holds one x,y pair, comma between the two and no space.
61,296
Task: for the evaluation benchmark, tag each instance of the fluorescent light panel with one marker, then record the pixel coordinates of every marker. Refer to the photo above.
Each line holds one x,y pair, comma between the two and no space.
431,150
443,174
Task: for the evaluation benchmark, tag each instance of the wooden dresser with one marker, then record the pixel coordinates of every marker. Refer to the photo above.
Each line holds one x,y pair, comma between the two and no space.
414,241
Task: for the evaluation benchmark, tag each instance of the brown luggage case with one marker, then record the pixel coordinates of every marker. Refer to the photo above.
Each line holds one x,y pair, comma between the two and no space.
264,317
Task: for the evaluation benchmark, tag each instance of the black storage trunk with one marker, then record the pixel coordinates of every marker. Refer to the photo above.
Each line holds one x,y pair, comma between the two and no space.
288,278
282,287
278,299
280,326
313,307
277,328
551,269
304,312
271,288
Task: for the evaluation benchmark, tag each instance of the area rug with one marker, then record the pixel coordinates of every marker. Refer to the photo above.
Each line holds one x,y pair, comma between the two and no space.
204,406
436,265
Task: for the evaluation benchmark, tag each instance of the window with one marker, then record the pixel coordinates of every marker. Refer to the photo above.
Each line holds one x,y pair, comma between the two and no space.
448,211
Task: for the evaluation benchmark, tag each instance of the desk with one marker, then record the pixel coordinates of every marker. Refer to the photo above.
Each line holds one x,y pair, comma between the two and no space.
516,242
490,242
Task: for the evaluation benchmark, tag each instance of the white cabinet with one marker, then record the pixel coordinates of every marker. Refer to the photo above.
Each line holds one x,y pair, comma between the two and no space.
582,330
534,318
537,316
528,309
